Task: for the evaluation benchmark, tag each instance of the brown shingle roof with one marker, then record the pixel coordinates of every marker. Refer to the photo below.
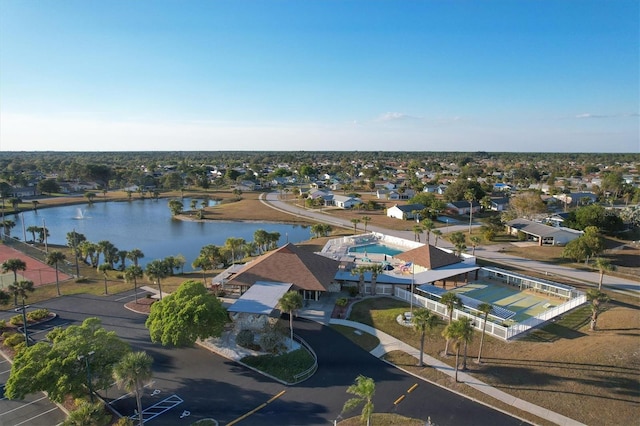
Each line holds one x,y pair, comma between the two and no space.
429,257
289,264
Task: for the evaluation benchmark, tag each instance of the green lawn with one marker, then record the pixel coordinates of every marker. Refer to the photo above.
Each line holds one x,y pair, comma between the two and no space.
285,367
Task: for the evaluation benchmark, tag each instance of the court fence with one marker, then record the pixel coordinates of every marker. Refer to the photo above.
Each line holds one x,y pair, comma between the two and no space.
496,330
40,255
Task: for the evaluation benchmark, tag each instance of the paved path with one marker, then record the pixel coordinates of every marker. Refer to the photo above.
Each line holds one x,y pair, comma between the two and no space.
491,252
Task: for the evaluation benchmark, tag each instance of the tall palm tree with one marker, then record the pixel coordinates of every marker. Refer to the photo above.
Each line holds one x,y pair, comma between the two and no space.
53,258
360,270
365,220
375,269
470,196
451,301
14,265
33,229
458,240
364,388
22,288
104,267
603,265
423,320
453,332
290,301
355,225
157,270
88,414
203,263
486,309
428,225
437,233
417,230
234,245
466,336
135,255
122,256
132,273
7,226
131,373
597,299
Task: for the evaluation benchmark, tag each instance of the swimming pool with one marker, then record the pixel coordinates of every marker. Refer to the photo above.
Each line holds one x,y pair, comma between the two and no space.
376,248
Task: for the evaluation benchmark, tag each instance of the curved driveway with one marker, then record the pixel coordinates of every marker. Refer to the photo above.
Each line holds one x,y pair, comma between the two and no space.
491,253
202,384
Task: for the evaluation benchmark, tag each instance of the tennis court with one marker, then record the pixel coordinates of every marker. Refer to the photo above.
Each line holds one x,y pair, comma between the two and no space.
525,303
38,272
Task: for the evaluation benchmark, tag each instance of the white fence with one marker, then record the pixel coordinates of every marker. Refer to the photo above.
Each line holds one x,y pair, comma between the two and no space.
496,330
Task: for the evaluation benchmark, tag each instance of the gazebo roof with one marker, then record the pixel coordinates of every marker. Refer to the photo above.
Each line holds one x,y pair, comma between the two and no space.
429,257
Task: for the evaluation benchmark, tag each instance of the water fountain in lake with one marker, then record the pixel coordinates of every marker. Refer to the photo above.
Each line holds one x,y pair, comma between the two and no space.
80,214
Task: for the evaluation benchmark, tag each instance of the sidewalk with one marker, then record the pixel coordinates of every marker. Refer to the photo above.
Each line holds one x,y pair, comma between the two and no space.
389,343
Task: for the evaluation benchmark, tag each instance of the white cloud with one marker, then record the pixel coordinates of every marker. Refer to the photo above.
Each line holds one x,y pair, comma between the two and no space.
393,116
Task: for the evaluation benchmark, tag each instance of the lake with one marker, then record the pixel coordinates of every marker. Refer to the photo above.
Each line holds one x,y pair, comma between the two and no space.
146,225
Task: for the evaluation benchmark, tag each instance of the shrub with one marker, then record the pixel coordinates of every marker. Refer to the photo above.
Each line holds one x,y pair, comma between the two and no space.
16,320
342,302
82,280
13,339
353,291
38,315
3,324
489,234
271,341
522,236
245,339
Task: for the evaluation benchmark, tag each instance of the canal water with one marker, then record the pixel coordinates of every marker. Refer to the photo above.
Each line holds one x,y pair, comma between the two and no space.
147,225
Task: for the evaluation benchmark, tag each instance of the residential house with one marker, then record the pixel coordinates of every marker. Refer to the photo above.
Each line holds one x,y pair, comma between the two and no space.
462,207
499,204
344,201
404,212
544,235
435,189
577,198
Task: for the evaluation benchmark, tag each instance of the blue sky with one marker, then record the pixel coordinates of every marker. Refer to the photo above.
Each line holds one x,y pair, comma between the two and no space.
518,75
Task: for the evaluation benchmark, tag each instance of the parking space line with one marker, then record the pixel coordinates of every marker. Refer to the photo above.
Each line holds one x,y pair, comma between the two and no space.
130,393
35,417
22,406
5,371
47,329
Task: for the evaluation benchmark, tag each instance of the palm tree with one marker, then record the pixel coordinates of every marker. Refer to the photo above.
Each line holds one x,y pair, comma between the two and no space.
486,309
204,263
423,320
375,269
52,259
234,245
417,230
14,265
104,267
364,389
355,225
289,302
453,332
428,225
365,220
597,299
122,255
88,414
465,325
7,226
451,301
33,229
132,273
157,270
134,255
21,288
475,240
438,234
458,240
360,270
603,265
131,373
470,196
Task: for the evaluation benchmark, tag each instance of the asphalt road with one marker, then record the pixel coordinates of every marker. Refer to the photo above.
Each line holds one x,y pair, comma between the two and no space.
193,383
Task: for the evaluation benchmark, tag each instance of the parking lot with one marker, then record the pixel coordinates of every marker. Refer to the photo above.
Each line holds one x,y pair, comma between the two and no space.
35,409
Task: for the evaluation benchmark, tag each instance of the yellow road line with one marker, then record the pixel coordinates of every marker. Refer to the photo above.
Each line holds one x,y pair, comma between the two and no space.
258,408
399,400
412,388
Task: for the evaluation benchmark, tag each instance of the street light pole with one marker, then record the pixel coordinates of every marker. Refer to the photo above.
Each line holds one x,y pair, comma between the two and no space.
88,367
24,322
